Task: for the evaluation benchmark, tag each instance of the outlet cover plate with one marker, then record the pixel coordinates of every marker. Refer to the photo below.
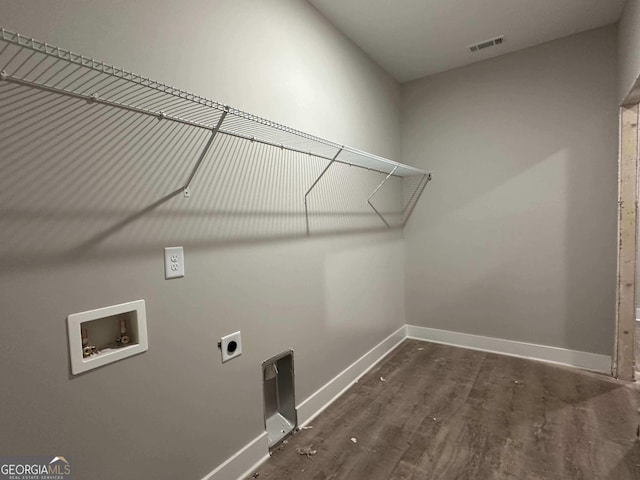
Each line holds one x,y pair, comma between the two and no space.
173,262
231,346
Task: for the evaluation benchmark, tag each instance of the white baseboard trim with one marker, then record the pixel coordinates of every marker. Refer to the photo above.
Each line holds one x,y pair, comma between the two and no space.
243,463
563,356
321,399
246,461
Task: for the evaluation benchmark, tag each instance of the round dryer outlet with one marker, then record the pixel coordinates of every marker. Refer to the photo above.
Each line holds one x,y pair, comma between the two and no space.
231,346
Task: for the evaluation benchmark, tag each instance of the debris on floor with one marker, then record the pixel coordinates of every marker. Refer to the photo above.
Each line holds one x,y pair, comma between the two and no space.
255,475
421,348
281,446
307,427
354,439
538,430
308,451
382,379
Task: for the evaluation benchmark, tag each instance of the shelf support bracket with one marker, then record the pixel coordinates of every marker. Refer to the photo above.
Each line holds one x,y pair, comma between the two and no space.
306,209
376,191
426,178
204,152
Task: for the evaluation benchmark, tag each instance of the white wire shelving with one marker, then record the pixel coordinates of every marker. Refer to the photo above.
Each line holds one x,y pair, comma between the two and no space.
35,64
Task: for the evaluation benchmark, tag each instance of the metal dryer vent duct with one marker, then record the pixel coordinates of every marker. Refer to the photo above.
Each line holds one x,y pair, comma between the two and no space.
486,44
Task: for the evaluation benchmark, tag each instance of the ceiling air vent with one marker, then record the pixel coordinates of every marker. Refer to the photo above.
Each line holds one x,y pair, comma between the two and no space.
486,44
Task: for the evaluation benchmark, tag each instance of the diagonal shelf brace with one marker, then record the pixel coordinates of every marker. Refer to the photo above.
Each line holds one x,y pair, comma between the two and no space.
376,190
203,154
426,178
306,209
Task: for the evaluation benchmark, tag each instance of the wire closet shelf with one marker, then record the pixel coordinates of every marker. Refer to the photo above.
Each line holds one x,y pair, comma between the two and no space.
35,64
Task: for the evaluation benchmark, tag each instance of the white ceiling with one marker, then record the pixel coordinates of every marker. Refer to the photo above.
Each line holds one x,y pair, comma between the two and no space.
414,38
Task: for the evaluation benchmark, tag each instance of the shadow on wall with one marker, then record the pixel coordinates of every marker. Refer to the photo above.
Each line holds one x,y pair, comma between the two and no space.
83,180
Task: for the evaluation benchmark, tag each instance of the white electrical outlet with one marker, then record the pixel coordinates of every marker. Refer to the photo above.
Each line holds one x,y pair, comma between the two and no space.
231,346
173,262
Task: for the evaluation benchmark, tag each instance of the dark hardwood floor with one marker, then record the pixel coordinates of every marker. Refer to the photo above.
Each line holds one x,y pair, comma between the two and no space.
449,413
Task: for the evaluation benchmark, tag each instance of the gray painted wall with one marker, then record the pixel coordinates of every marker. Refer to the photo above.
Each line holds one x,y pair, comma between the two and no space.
628,49
175,411
516,236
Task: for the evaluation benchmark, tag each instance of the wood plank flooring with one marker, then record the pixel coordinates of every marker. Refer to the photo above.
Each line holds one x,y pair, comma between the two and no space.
451,413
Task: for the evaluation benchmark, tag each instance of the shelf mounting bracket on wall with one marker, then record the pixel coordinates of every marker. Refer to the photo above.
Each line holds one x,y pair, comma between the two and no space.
203,154
376,190
306,209
417,193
